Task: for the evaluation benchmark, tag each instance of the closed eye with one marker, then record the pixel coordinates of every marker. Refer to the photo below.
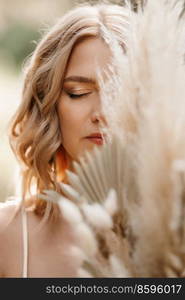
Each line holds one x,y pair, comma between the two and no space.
74,96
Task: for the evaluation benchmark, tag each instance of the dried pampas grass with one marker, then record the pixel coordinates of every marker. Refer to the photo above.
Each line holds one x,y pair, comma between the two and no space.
130,194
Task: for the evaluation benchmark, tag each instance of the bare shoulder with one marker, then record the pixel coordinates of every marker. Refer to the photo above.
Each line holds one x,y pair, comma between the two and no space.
9,227
8,210
10,218
11,235
9,215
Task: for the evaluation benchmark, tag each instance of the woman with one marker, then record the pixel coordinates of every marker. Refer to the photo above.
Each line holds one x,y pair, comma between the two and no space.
59,118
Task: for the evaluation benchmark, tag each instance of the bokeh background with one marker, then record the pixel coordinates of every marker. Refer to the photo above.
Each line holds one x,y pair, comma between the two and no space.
21,26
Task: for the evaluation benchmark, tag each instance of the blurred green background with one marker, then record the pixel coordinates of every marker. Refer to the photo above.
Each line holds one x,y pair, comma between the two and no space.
21,25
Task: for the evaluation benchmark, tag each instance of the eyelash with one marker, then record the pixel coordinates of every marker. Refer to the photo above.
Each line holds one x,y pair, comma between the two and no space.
75,96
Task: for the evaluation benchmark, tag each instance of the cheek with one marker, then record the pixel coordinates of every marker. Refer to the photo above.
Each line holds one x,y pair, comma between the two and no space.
71,118
73,114
74,122
74,119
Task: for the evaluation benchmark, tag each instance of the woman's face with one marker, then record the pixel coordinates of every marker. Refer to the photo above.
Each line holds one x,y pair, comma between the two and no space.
79,107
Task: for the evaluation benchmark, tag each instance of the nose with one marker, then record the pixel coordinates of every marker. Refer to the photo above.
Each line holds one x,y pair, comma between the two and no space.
97,115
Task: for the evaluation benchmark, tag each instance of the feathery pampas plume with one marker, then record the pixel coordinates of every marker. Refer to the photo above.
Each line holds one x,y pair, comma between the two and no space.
131,193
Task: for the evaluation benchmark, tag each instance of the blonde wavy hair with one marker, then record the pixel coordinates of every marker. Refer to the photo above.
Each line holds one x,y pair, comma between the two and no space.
35,134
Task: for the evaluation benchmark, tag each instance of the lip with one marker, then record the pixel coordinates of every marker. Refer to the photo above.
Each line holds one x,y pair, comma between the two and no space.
96,138
95,135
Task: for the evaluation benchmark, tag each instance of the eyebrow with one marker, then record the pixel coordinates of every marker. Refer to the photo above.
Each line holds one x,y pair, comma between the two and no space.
79,79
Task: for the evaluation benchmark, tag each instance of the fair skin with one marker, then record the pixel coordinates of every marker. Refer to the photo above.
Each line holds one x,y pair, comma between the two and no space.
50,248
79,108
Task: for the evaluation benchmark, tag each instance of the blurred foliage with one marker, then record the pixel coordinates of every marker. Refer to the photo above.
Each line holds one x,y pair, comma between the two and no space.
134,3
17,42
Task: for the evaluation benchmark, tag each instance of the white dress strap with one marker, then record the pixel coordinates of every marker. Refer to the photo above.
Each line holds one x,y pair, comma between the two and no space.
25,243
